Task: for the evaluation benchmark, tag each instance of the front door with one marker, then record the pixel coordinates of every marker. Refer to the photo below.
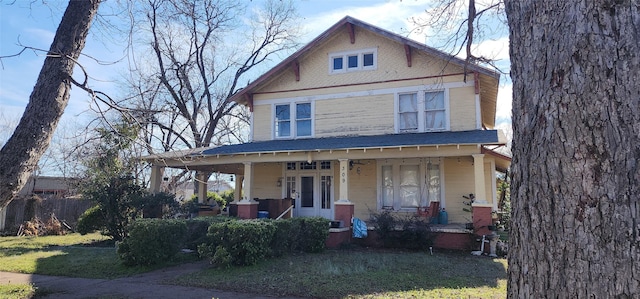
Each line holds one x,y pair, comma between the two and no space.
306,201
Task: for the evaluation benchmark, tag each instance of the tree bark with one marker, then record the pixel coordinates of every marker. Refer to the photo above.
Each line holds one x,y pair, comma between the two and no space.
575,189
50,95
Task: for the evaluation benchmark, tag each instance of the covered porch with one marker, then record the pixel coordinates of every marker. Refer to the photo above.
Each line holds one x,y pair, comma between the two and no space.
343,177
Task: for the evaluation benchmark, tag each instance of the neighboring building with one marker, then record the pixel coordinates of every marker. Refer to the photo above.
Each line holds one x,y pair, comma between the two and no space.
185,190
362,120
48,185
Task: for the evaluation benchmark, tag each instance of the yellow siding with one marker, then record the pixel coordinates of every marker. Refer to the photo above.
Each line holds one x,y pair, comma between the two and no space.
362,189
358,114
265,178
262,122
391,64
462,108
355,116
458,182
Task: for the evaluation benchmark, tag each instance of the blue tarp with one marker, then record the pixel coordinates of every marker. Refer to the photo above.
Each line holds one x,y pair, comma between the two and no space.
359,228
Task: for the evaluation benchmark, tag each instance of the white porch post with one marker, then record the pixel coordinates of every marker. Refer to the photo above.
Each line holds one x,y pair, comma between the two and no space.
237,192
344,181
202,187
156,178
494,187
248,178
478,174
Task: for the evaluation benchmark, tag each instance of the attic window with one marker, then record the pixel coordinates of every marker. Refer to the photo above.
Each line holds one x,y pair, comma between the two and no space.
358,60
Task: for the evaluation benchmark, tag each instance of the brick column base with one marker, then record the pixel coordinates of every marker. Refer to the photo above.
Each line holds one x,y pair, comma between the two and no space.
343,212
247,209
482,219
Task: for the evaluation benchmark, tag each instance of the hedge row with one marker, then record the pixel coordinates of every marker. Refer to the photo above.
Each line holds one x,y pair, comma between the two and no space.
225,241
248,241
153,241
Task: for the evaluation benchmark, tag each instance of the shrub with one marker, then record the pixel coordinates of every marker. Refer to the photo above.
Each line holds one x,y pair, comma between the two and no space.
312,233
246,241
91,220
197,229
152,241
409,232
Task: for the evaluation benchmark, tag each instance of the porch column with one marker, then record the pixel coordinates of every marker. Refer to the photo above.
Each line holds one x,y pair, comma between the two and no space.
156,178
343,208
248,178
247,207
478,175
344,181
202,179
237,192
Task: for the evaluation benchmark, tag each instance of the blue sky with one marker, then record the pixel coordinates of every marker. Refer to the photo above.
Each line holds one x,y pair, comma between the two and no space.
35,27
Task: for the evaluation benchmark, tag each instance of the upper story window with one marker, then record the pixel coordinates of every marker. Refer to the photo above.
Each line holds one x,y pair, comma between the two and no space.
422,111
293,120
358,60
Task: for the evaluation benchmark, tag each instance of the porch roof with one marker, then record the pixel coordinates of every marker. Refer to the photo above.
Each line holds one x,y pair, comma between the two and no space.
482,137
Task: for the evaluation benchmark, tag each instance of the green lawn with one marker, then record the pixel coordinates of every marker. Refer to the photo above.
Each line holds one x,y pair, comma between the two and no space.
88,256
364,274
353,273
17,291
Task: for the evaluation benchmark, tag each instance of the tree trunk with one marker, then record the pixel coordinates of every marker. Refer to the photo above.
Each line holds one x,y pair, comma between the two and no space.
20,155
575,188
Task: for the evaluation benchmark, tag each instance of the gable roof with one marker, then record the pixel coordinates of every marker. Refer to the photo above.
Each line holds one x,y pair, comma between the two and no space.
244,96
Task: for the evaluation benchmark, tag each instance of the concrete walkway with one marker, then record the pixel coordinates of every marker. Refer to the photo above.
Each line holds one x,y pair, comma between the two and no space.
146,285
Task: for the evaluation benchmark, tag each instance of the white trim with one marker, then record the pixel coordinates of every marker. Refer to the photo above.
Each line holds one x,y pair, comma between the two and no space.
494,187
293,134
395,168
251,122
362,93
420,94
478,113
345,60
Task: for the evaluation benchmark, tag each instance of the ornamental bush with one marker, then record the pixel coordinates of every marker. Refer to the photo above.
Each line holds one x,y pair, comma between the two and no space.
91,220
152,241
246,241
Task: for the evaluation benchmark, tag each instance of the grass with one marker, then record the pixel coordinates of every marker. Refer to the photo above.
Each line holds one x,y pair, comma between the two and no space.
17,291
353,273
75,255
364,274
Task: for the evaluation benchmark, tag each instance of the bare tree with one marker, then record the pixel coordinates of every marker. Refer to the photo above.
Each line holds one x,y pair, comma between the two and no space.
576,116
188,58
20,154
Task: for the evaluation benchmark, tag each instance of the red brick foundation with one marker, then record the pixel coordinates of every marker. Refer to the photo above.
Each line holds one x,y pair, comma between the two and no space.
247,210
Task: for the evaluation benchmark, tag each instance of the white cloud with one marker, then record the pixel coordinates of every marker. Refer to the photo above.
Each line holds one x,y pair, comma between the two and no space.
494,49
504,104
393,16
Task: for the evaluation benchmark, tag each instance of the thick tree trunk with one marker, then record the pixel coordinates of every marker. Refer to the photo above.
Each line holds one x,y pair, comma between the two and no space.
20,155
575,185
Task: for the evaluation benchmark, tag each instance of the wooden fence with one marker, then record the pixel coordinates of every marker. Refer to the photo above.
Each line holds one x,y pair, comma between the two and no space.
24,209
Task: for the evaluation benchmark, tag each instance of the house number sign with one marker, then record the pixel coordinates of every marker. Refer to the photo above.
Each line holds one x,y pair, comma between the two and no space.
343,174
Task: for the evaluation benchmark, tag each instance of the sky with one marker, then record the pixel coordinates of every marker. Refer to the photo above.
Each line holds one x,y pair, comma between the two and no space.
34,25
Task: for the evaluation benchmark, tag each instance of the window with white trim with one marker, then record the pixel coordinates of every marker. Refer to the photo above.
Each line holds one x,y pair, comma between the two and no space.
358,60
435,112
422,111
406,185
293,120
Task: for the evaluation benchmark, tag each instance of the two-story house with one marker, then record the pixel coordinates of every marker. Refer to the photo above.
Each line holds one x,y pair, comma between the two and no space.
361,120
